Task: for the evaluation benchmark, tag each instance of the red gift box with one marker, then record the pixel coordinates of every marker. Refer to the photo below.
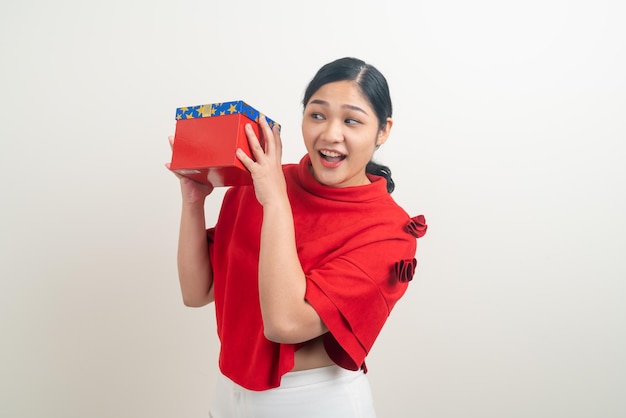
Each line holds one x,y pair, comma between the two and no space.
207,137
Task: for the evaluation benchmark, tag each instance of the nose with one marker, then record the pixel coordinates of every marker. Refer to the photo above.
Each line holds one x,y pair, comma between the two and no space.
333,131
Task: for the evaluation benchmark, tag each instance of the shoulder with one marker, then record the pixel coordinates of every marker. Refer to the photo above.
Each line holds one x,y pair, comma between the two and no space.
238,197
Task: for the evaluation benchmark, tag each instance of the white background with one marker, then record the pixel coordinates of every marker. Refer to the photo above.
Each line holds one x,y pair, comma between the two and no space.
509,136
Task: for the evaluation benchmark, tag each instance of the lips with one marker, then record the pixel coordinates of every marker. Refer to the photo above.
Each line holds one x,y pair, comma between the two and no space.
332,157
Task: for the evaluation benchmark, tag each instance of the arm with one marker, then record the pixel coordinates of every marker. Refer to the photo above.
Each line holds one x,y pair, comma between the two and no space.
287,316
194,265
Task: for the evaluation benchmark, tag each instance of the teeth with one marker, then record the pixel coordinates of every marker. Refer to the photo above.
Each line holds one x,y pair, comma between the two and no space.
327,153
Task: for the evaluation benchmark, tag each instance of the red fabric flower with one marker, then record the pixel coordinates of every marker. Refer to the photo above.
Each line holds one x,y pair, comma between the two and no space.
405,269
417,226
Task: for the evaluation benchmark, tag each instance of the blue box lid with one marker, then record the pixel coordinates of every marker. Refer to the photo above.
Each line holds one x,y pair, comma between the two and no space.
221,109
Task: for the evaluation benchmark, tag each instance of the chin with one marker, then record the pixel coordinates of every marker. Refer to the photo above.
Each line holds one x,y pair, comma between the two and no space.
326,181
329,181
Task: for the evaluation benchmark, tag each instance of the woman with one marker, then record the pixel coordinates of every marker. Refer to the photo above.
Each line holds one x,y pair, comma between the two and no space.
305,265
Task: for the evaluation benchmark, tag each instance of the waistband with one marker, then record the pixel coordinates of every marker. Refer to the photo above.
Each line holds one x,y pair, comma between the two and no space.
317,375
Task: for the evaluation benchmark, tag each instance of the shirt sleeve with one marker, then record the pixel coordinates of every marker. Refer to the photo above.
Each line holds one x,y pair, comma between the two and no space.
354,295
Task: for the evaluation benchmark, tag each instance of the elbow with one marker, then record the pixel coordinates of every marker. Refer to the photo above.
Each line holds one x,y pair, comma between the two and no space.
292,326
281,332
195,301
195,298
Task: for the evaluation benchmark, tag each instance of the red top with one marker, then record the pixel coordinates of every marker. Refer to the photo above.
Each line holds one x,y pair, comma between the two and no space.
356,247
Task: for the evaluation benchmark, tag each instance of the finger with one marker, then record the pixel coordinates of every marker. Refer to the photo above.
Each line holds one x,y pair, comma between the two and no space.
278,139
263,134
253,141
169,167
273,143
266,132
171,141
245,159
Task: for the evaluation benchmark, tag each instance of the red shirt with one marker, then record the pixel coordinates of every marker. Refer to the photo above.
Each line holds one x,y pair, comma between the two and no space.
356,247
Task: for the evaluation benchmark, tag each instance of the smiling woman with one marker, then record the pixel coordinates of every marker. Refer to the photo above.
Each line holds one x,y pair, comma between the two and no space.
341,133
347,105
306,264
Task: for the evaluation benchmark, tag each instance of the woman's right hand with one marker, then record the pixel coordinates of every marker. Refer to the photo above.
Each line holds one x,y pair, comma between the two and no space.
191,190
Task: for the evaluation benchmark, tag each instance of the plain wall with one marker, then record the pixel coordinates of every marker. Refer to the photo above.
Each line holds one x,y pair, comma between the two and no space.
509,136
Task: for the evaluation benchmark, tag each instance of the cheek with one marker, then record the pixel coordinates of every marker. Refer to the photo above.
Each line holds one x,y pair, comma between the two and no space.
308,141
308,134
364,147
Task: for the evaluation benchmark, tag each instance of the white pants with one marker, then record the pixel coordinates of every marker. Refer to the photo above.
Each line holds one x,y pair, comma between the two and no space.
326,392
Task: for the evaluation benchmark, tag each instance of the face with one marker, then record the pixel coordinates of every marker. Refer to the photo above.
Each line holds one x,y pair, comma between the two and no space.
341,133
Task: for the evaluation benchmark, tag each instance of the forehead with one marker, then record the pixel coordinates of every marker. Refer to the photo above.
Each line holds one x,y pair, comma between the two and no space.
340,93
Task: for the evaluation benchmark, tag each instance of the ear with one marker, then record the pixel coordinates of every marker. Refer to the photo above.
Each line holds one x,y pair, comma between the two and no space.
383,134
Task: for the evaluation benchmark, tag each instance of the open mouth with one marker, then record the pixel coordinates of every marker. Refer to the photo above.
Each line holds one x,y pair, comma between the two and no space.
332,156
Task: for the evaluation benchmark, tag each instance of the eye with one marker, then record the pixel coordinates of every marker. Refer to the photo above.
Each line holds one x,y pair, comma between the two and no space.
317,116
350,121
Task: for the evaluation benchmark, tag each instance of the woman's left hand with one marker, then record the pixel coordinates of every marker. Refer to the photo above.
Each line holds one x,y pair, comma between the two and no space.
267,172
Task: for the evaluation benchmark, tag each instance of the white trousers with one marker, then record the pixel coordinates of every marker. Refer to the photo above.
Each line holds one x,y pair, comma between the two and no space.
326,392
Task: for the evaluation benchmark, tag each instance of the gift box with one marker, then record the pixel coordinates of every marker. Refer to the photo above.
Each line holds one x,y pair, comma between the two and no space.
207,137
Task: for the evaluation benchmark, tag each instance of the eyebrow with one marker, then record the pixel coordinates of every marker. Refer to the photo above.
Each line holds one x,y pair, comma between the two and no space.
345,106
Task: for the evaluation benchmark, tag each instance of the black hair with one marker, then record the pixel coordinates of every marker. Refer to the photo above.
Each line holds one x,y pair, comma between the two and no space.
374,87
